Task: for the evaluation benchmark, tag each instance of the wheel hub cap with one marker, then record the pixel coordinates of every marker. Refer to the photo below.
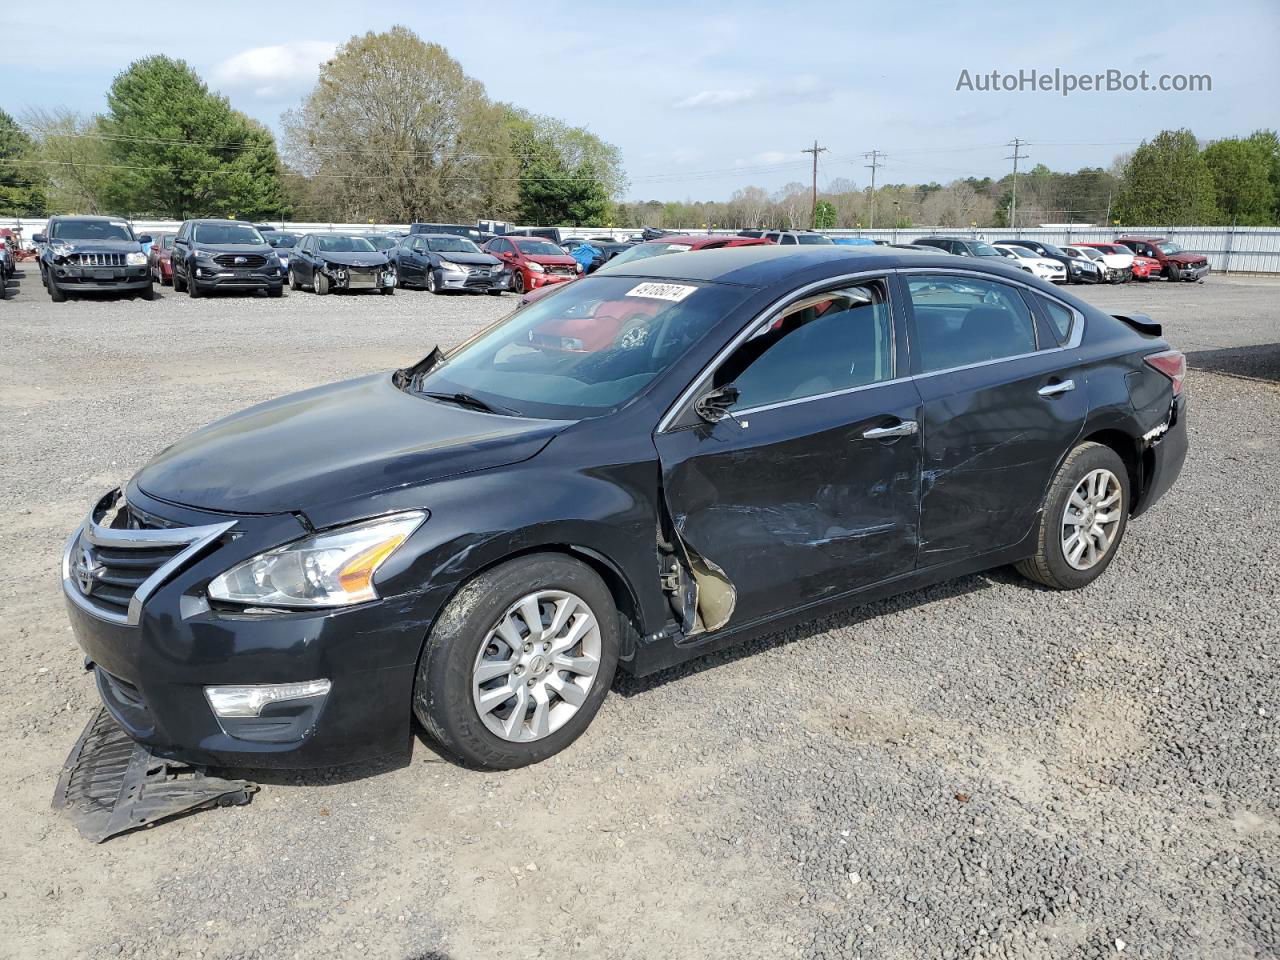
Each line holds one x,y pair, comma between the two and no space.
1091,519
536,666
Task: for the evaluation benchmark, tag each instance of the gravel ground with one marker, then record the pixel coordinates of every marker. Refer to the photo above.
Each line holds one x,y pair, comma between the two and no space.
980,769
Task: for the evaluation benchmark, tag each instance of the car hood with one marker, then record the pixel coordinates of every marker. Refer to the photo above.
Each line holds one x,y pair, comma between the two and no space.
356,259
99,246
333,443
1188,258
474,259
551,260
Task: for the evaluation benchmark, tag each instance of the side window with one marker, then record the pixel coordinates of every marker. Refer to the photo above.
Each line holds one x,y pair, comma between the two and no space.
965,320
822,344
1060,316
789,238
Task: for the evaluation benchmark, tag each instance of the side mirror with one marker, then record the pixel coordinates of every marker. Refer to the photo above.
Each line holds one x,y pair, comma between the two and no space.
39,238
714,405
145,238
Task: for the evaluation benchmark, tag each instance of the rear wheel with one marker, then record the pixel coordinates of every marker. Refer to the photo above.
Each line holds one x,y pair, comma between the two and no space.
519,662
1084,518
293,280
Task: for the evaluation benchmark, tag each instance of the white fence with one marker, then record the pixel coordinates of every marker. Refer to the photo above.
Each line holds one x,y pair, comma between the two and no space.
1229,249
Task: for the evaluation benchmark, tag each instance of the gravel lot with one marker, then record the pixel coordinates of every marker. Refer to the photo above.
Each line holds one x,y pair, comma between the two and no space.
981,769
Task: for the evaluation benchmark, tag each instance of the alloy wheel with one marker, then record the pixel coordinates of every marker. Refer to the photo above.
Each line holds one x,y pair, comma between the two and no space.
1091,519
536,666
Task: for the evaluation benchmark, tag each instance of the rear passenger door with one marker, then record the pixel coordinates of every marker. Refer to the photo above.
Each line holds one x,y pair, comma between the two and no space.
1003,402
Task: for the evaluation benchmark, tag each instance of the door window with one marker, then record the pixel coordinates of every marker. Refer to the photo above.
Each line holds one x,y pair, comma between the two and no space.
825,343
966,320
788,238
1059,315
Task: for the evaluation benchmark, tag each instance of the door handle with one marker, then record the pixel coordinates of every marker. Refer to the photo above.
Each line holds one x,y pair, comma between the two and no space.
1053,389
906,428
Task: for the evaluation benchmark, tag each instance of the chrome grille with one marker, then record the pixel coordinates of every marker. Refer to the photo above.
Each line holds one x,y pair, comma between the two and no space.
242,261
98,259
119,556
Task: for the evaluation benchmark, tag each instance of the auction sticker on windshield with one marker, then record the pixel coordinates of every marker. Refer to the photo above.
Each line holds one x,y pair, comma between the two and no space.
675,292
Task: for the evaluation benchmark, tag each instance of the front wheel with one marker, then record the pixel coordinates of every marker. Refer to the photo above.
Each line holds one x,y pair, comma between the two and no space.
56,293
293,280
179,285
1173,272
429,280
149,291
320,283
388,291
518,663
1084,518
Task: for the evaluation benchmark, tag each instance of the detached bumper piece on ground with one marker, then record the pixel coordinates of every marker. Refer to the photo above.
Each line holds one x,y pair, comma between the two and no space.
110,784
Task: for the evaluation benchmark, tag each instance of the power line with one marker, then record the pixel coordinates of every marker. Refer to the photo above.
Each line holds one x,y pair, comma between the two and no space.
813,211
876,157
1017,145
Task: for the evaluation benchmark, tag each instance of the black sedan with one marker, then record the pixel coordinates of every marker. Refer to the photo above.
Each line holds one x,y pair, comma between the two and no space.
781,432
438,262
326,262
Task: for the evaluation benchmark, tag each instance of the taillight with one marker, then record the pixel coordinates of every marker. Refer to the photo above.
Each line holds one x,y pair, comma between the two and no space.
1172,364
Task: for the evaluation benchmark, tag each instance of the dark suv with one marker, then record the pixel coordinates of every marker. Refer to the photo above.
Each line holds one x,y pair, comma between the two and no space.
210,255
959,246
80,254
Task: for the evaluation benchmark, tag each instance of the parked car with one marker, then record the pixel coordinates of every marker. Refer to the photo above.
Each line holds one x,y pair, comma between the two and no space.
920,247
8,266
533,262
847,241
794,237
340,262
282,243
213,255
442,261
474,234
1079,269
93,254
382,242
1176,263
960,246
667,244
159,258
546,233
1114,267
606,250
1116,255
1033,263
503,527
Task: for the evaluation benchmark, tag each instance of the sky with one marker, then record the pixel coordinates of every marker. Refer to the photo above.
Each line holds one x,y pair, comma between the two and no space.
703,99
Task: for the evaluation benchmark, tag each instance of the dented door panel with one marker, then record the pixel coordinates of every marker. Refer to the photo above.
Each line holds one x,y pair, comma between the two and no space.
792,504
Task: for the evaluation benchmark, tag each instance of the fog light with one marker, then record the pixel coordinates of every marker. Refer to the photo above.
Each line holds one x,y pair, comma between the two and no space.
248,701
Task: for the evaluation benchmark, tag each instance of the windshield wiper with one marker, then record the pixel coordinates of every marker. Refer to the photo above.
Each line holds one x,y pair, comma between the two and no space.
471,402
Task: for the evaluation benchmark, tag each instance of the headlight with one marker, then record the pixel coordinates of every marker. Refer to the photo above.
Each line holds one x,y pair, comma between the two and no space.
579,266
536,267
448,266
135,259
331,569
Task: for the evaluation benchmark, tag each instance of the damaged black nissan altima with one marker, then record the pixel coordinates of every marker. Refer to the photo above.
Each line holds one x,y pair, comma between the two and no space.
632,472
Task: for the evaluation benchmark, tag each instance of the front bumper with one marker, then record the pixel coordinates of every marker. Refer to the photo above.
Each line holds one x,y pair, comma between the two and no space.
1196,271
472,281
71,277
213,276
547,279
152,665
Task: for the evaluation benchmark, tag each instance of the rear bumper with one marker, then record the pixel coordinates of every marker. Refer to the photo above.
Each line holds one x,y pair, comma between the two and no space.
1163,459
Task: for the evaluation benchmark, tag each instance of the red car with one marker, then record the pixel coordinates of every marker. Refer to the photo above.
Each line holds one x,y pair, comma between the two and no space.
533,262
1176,263
160,258
1142,268
681,243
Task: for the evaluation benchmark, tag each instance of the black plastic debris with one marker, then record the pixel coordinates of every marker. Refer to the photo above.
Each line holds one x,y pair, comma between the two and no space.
110,785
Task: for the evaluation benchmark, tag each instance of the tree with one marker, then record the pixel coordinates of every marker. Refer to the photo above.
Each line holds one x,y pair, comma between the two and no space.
1167,183
566,174
395,130
1242,170
74,157
824,215
21,188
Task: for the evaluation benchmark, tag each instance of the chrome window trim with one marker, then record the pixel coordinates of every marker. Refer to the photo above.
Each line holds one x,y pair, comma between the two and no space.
819,396
195,540
749,329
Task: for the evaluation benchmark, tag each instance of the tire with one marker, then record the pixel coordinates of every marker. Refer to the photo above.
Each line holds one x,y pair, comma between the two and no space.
293,280
388,291
445,693
494,293
429,280
149,292
1051,564
1172,271
56,293
179,286
320,284
193,288
276,291
517,283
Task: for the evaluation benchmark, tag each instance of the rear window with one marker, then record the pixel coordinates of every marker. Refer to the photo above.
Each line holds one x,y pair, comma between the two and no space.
1059,315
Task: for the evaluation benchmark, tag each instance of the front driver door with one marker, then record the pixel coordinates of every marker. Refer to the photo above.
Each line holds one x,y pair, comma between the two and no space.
810,489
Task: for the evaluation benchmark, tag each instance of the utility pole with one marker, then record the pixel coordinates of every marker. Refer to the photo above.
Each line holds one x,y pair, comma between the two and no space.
876,157
813,211
1017,155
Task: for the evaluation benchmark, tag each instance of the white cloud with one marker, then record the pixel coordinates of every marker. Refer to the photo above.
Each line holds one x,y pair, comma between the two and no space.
804,87
764,159
274,72
718,98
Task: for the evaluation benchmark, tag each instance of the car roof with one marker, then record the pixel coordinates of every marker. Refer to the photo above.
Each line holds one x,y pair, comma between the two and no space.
87,216
1145,238
440,236
765,264
247,223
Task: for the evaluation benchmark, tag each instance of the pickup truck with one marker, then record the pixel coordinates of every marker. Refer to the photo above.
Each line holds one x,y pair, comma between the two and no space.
1175,263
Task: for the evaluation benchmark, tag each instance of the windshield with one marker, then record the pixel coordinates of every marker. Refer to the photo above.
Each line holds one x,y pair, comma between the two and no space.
1023,252
985,250
452,245
90,230
229,233
585,350
1169,247
344,245
282,239
538,248
813,238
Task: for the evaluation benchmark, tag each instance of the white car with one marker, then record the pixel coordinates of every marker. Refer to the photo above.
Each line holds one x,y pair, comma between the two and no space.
1119,266
1033,263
